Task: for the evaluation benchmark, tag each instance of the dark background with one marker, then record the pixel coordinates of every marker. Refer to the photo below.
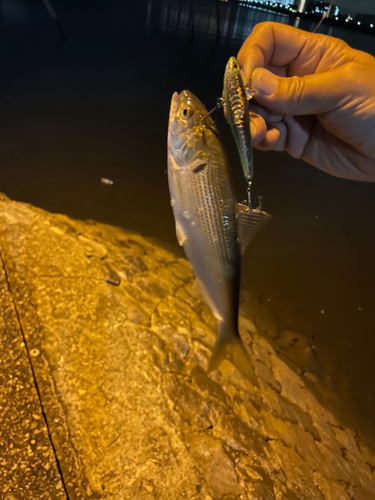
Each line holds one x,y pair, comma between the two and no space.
97,106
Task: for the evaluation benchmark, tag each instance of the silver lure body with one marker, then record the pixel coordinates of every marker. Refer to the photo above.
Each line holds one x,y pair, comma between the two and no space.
237,104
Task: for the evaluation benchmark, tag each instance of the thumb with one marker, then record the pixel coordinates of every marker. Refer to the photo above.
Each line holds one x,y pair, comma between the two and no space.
305,95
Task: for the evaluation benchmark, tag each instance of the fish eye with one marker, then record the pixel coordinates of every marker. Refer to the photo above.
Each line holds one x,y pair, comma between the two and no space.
186,113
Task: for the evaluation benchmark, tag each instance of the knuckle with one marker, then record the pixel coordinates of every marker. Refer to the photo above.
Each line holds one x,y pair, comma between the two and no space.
296,91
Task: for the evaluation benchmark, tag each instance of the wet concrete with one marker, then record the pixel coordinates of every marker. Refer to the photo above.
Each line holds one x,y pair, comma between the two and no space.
119,340
97,106
28,467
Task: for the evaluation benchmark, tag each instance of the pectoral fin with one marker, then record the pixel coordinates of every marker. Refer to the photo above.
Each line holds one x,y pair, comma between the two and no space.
248,223
181,236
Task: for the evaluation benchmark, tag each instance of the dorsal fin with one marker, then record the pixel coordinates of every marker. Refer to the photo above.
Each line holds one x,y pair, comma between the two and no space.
248,223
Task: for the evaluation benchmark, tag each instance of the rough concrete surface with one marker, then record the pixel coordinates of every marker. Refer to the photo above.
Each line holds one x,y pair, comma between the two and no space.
28,466
119,341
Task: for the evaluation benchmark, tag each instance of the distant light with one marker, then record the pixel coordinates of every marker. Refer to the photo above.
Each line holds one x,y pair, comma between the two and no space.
106,182
302,6
371,25
336,18
358,22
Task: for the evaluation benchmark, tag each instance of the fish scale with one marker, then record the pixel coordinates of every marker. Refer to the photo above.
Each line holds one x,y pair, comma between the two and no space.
214,224
218,219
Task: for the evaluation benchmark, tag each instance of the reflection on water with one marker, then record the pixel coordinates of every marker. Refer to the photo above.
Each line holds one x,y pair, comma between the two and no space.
297,22
231,21
209,19
202,19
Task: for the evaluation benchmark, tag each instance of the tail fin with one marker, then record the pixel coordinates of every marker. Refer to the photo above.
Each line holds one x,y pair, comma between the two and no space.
220,349
229,344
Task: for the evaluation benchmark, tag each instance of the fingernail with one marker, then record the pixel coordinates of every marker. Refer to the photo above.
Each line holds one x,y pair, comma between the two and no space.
264,81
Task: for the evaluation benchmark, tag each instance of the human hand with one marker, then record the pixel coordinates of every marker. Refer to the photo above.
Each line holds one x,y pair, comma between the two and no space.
315,99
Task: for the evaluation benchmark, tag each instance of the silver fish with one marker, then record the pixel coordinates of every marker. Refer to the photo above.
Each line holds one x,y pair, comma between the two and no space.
209,222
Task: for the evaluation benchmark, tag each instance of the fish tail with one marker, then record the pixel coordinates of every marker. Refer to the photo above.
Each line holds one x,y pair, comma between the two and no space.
229,344
220,349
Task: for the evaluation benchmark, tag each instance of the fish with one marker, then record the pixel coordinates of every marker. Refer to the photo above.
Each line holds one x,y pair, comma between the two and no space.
210,226
236,100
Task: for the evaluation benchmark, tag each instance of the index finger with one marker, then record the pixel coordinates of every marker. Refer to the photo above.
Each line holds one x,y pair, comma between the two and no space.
277,45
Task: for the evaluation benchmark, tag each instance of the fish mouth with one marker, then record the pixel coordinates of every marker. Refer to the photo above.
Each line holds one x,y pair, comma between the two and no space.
175,103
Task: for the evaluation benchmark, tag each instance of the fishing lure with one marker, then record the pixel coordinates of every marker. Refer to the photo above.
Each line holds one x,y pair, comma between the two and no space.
236,99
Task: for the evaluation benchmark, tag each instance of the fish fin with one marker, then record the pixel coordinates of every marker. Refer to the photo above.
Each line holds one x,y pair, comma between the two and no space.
181,236
230,344
220,349
248,223
240,359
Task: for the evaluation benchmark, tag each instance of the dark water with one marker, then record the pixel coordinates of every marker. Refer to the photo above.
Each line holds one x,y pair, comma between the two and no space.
97,106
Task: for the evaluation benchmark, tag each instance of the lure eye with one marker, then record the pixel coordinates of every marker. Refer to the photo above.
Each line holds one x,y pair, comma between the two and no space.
186,113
